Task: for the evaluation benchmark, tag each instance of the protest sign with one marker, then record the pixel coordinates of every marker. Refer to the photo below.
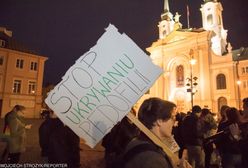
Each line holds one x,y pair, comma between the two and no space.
102,86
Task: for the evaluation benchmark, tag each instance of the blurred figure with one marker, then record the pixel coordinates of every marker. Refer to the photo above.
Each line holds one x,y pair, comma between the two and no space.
228,145
240,133
6,132
45,130
177,129
17,141
117,139
63,145
244,133
192,133
209,129
223,117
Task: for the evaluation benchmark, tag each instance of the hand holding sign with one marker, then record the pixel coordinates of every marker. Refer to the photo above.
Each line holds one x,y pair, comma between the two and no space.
102,86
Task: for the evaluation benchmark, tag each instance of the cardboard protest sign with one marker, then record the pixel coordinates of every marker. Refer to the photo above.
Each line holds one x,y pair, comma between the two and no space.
102,86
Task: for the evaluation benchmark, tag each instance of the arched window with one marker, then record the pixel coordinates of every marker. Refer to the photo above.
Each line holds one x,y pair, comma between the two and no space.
221,81
180,76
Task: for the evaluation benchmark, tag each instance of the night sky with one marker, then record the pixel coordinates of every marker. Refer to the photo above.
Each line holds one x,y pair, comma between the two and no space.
63,30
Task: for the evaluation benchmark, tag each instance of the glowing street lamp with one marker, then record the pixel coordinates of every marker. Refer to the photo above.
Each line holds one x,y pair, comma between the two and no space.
192,81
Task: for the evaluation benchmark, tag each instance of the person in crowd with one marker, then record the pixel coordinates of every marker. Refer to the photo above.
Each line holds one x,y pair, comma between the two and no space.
240,132
17,127
244,142
5,139
209,129
117,139
5,134
45,131
158,116
177,132
192,133
223,117
228,145
63,145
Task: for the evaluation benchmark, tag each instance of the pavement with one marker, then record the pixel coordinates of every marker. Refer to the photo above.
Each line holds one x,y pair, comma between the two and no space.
89,158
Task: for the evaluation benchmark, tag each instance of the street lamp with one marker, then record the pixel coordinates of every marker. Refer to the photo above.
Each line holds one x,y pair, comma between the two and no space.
192,81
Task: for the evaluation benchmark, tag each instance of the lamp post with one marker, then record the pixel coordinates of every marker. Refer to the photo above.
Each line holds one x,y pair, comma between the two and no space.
192,81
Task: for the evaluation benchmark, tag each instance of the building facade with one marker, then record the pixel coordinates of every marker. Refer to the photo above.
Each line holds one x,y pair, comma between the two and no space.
199,65
21,76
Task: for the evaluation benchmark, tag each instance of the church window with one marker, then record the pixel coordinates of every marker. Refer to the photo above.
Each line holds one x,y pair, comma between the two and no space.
221,81
164,33
210,19
180,76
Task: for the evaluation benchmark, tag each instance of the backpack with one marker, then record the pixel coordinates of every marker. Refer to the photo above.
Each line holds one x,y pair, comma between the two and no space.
122,160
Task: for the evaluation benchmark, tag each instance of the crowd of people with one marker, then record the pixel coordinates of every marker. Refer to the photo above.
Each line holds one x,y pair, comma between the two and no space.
203,141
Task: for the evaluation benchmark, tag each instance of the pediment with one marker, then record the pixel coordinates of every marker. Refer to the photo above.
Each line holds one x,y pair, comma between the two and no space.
177,36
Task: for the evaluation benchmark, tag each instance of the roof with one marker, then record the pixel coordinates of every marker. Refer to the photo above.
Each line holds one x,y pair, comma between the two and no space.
12,44
240,54
196,30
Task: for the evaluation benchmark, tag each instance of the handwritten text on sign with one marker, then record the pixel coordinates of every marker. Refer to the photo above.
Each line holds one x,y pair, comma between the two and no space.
102,86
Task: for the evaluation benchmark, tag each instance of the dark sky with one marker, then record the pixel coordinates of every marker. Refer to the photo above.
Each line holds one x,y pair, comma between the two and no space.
63,30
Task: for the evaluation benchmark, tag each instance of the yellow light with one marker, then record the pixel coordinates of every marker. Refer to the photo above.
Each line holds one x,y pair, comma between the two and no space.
192,61
238,82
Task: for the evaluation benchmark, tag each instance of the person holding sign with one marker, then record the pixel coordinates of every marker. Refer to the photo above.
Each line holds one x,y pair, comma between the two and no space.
158,116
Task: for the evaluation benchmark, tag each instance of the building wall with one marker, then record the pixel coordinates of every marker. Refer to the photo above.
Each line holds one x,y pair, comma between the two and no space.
172,53
9,72
214,56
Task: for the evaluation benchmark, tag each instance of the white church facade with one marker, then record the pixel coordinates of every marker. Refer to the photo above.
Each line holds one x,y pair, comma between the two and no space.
199,65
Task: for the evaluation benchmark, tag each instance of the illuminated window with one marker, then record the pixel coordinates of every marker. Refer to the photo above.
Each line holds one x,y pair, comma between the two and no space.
19,63
210,19
33,66
31,87
17,86
180,76
221,81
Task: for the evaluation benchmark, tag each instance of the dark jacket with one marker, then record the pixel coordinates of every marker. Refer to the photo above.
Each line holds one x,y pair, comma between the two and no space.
192,133
63,145
45,131
149,158
225,144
